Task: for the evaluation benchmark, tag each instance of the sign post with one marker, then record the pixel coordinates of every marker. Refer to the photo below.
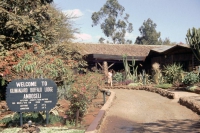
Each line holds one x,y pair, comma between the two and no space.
31,95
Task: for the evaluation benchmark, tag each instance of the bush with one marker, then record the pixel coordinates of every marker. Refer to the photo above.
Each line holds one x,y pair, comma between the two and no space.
82,91
191,78
164,86
118,77
191,88
14,120
173,73
135,84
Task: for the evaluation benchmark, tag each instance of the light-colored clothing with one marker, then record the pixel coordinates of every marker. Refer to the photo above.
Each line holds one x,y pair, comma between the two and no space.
110,78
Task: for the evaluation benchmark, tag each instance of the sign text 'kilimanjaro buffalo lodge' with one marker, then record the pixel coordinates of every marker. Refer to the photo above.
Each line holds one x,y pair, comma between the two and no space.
31,95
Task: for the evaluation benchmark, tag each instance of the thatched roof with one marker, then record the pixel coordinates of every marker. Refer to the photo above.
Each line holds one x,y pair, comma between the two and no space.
116,49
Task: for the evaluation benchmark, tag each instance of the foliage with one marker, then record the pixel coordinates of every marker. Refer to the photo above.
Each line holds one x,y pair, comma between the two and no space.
14,120
173,73
193,39
41,66
135,84
127,67
113,26
157,74
144,79
164,86
53,119
64,25
149,35
191,78
71,54
191,88
63,91
24,22
118,77
83,90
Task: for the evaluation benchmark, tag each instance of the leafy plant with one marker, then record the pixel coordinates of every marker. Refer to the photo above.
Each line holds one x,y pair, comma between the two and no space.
135,84
118,77
32,66
83,90
53,119
173,73
191,88
164,86
191,78
14,119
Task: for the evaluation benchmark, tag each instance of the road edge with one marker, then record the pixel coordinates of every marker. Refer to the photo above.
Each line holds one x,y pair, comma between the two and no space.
98,119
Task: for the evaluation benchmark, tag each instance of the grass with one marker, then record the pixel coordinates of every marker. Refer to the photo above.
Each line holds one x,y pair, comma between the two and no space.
164,86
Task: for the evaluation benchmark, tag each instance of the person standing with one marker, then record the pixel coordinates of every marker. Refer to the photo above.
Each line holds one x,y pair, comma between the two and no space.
110,77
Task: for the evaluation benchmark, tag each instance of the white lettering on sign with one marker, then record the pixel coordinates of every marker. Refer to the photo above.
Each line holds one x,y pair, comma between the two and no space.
26,84
48,89
44,83
32,96
23,105
47,101
18,90
39,89
24,108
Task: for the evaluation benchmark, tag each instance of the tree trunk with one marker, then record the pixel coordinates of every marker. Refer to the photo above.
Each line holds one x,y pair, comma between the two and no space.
105,67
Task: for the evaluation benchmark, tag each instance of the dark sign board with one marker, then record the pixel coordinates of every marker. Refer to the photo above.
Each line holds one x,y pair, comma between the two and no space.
31,95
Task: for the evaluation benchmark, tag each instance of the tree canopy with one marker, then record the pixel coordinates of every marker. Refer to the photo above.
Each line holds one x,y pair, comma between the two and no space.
24,22
114,25
149,35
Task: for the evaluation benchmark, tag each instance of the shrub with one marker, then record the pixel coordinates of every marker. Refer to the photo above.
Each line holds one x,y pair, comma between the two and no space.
14,120
135,84
191,78
173,73
82,91
164,86
118,77
191,88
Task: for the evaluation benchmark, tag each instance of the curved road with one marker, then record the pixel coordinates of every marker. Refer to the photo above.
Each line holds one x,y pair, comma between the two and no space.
137,111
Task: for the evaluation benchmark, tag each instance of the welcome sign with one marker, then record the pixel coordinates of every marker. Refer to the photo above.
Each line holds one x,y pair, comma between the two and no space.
31,95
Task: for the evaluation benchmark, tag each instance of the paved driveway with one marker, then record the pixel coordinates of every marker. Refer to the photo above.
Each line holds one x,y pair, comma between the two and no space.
138,111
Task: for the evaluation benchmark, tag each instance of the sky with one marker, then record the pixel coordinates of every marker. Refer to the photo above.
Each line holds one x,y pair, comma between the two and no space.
173,17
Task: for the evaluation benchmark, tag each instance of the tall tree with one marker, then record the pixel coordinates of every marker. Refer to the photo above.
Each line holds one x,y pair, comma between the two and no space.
25,21
149,35
114,25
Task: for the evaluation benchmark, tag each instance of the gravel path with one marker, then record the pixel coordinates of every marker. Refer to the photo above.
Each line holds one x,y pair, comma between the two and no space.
137,111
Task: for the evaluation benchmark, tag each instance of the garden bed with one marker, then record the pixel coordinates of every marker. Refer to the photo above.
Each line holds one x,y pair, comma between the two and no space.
92,112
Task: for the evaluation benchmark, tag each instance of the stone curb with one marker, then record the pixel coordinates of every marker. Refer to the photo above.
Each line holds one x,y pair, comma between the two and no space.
160,91
94,126
191,103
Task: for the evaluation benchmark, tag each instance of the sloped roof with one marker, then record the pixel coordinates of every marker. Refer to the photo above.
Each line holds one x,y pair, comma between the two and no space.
166,48
116,49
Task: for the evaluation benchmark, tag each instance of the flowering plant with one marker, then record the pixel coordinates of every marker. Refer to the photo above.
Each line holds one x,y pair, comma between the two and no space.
84,89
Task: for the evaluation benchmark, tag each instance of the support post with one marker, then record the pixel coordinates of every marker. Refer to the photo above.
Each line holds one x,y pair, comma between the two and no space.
144,77
104,97
47,117
21,119
77,116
